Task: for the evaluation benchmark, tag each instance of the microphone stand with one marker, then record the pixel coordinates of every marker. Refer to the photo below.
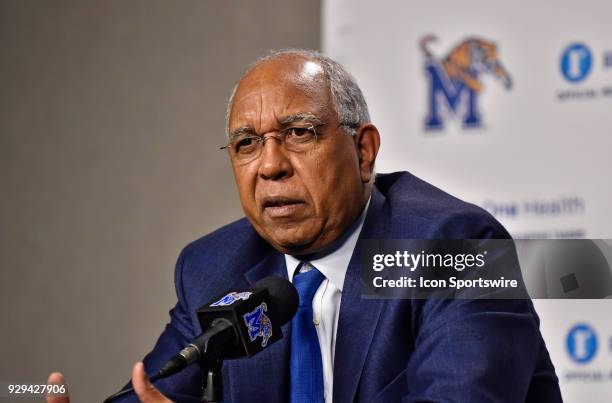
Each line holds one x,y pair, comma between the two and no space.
212,381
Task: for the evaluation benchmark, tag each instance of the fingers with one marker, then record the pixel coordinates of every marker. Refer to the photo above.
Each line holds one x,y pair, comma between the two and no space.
57,379
147,393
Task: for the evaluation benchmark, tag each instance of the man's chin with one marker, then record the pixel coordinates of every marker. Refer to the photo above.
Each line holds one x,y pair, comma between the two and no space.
293,244
298,238
292,247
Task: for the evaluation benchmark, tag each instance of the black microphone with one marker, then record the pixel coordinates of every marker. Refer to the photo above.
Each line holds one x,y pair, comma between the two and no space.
236,324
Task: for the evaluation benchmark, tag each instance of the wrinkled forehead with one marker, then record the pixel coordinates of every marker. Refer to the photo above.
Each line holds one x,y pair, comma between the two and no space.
279,88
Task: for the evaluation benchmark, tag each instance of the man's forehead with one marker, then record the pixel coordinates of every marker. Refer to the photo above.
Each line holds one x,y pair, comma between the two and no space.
288,73
295,66
279,89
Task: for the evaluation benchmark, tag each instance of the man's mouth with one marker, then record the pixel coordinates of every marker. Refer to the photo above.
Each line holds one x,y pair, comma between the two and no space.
277,207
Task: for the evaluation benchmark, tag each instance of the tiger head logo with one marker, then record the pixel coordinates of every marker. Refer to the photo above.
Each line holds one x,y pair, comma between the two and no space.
232,297
456,78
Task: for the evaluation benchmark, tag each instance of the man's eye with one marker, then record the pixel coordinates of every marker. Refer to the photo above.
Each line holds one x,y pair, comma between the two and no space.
301,134
246,145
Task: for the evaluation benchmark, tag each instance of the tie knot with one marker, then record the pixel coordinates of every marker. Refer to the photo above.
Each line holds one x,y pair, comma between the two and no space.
307,283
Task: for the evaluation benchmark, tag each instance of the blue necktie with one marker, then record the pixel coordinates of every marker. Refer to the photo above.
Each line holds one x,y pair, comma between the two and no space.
306,365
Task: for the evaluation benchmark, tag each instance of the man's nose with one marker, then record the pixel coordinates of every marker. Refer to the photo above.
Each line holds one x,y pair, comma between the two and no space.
274,162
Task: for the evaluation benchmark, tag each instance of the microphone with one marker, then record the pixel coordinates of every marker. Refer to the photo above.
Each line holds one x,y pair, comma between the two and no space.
239,324
236,324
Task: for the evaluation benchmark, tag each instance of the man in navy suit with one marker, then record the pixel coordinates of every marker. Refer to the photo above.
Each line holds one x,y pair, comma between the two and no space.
303,150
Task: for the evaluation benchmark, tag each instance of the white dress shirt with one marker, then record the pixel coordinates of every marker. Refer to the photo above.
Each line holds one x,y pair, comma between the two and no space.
326,301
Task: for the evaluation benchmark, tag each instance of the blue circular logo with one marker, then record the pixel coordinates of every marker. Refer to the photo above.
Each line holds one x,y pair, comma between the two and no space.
582,343
576,62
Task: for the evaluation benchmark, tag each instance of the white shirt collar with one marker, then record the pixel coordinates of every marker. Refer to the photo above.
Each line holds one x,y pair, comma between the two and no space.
334,265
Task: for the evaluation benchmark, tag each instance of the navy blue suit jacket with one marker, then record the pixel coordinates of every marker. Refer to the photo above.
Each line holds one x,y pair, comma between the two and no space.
386,350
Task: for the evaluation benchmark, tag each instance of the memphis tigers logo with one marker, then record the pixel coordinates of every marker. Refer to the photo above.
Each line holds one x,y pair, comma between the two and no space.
231,298
258,324
455,80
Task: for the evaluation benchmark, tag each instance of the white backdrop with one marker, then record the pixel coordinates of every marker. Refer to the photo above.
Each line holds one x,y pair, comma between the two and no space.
537,156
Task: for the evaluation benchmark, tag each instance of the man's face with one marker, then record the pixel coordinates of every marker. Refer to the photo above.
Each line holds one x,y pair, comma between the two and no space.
300,202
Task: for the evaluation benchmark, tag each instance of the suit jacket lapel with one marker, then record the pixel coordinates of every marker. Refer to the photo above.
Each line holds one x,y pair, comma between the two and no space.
264,377
358,317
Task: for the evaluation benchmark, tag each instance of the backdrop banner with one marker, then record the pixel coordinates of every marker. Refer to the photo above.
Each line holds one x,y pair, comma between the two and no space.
508,106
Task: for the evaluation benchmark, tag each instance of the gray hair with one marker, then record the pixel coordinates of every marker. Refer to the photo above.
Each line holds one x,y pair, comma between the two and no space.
347,97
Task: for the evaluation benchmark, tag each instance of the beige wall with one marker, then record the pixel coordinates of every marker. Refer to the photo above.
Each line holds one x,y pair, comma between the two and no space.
111,114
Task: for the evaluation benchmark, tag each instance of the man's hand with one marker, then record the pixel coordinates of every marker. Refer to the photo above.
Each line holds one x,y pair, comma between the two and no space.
57,379
146,392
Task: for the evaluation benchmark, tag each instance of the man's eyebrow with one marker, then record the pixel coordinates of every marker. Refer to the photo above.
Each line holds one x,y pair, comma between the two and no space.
305,117
242,131
301,117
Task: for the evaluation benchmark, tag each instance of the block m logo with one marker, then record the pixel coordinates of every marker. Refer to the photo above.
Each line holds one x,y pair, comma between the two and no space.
454,83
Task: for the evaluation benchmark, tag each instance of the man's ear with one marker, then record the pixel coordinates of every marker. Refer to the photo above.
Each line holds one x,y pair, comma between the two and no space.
367,141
